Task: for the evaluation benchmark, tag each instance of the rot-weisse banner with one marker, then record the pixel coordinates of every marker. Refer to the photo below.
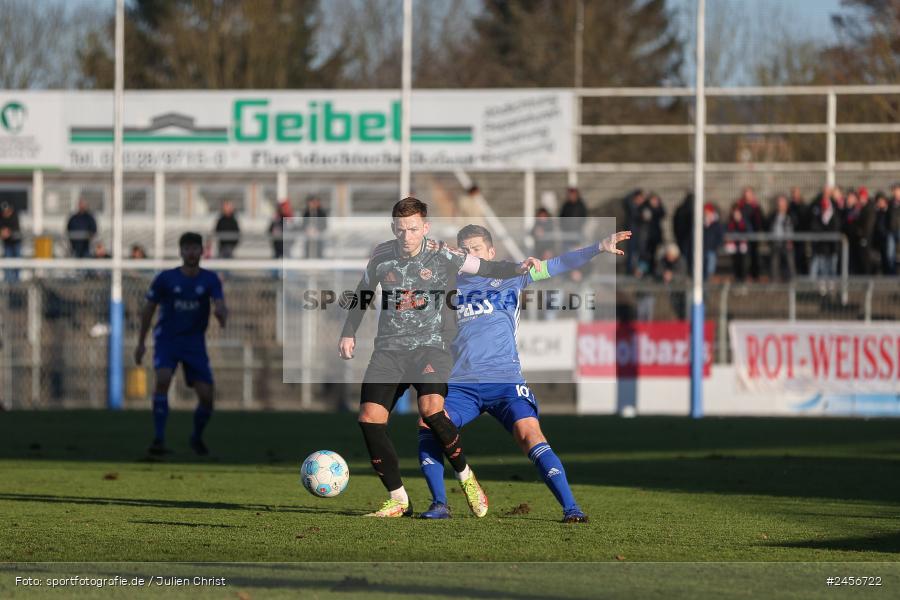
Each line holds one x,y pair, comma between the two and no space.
639,349
816,356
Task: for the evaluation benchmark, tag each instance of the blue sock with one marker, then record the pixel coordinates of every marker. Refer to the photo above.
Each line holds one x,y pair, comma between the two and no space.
201,418
160,414
431,460
551,469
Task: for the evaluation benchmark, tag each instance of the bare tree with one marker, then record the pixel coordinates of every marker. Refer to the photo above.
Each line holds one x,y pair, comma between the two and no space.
867,51
38,41
370,33
764,42
210,44
728,39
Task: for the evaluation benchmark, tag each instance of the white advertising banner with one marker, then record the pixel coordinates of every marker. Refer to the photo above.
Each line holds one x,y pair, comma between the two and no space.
816,357
294,131
31,130
724,396
547,345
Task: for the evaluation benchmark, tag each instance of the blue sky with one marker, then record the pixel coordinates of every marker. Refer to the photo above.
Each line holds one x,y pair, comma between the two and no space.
818,12
812,13
807,20
762,23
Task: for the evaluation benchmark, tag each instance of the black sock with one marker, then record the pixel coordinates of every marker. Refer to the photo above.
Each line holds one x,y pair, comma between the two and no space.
383,455
448,435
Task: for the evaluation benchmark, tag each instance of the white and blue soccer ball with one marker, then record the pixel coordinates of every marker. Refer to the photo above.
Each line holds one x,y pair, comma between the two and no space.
324,474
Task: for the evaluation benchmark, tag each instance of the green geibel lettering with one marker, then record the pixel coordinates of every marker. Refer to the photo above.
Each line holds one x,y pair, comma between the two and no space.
262,121
371,127
396,113
253,123
288,127
313,122
331,117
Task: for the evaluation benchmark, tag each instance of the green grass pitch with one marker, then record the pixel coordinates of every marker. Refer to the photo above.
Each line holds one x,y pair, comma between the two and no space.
76,486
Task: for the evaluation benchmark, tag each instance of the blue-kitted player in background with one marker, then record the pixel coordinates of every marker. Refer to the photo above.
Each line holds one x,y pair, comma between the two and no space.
184,295
487,375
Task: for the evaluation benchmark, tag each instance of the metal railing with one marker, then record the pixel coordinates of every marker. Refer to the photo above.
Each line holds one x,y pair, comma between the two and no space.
803,237
830,128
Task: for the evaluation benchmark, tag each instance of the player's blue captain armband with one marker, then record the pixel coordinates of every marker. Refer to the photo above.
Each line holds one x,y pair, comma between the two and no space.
564,263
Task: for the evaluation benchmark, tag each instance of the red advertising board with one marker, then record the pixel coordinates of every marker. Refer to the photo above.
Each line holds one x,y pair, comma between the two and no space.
639,349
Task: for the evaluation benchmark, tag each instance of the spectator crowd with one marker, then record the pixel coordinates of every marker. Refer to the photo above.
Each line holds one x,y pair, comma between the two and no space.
869,223
82,242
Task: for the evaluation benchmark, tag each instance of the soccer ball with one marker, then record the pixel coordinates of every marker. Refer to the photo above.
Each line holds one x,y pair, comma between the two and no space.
324,474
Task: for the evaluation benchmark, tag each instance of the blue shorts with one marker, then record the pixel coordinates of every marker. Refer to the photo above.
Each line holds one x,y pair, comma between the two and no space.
190,352
506,402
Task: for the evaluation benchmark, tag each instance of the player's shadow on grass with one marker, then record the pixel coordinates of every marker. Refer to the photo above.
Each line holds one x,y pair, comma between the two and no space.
348,579
272,438
150,503
184,524
180,504
834,478
355,580
350,588
880,542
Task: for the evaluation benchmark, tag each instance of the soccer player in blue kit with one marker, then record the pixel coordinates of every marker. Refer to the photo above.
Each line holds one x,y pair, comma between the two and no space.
184,295
412,346
487,376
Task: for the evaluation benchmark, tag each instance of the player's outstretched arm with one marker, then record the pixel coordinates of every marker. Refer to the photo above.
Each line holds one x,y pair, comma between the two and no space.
146,319
472,265
575,259
496,269
609,244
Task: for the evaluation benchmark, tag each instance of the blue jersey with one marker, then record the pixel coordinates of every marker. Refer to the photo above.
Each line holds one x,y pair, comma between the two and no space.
184,302
488,317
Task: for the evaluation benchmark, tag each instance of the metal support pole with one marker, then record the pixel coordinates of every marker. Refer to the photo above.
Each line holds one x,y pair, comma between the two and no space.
307,349
870,290
35,339
723,323
697,310
6,399
159,215
792,302
576,101
579,44
247,399
406,101
530,202
37,202
845,269
572,179
116,308
280,299
831,139
281,186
